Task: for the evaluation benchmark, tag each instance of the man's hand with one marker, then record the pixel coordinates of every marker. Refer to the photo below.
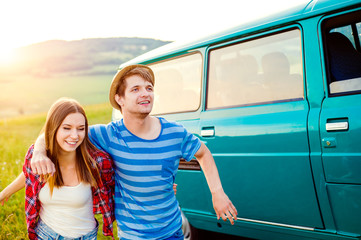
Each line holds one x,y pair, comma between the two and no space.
175,188
223,206
221,203
41,164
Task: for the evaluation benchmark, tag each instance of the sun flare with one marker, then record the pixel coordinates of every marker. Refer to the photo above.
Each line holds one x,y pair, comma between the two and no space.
7,55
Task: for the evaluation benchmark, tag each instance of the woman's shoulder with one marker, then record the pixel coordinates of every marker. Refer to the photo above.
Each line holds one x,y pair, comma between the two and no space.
29,154
101,157
27,166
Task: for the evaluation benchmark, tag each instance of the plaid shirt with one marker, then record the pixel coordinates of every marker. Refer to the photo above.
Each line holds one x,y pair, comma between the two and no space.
102,196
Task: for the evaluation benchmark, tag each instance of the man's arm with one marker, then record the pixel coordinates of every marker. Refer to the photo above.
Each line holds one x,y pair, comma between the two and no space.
40,163
16,185
221,203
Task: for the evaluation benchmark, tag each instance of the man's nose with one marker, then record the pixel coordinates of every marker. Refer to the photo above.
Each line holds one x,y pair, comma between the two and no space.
144,92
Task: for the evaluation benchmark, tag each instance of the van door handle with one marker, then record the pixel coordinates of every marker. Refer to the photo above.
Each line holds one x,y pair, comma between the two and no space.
337,126
207,132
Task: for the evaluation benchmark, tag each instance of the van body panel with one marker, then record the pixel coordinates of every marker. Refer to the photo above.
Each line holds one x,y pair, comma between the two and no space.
196,195
327,5
341,159
340,129
256,230
341,149
260,142
346,201
315,94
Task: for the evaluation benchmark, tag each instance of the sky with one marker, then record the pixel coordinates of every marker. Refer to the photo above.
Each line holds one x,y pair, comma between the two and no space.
24,22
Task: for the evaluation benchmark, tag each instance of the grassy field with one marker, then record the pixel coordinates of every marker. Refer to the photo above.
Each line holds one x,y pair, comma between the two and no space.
16,135
18,97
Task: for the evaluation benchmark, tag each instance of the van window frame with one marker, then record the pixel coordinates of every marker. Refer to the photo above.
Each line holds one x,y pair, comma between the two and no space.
328,23
246,38
178,56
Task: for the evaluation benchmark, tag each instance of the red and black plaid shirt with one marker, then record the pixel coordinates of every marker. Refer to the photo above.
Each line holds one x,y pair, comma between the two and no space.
102,196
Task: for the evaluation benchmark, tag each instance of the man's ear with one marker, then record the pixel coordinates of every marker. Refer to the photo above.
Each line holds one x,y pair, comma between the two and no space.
119,100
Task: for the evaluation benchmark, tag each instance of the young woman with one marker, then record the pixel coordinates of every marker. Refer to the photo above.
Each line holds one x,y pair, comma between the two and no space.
60,206
63,206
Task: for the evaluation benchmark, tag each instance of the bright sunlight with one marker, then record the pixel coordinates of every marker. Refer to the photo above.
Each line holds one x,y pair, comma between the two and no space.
7,55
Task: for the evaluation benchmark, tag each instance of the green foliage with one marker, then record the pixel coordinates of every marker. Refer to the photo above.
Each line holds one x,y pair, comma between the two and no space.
16,135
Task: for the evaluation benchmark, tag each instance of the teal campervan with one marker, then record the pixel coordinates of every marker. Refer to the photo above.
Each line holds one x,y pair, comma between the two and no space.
278,103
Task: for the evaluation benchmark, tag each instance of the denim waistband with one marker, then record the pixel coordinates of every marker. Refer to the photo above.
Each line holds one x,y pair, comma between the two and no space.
44,232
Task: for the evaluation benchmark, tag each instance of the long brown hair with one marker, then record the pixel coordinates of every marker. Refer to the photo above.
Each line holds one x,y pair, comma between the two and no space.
86,166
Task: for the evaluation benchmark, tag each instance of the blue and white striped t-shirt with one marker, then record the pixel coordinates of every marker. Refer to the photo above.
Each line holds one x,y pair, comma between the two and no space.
145,204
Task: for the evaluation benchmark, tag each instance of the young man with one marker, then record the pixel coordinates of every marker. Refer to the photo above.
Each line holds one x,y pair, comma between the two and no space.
146,152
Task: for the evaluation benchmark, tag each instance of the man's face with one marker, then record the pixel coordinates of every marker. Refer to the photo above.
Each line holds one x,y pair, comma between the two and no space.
138,96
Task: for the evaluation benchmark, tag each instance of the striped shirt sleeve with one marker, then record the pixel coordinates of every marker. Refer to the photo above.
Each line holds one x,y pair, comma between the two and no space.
190,145
98,136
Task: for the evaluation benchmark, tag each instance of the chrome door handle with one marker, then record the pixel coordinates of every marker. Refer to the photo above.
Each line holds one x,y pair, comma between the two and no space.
207,132
336,126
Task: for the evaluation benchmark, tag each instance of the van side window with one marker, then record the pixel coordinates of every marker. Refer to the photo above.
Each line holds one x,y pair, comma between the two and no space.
343,54
178,84
263,70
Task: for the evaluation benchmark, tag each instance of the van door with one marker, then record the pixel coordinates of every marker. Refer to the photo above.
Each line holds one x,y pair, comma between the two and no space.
255,125
340,121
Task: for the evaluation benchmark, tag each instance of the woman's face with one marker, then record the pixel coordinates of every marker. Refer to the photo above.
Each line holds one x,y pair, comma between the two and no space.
71,132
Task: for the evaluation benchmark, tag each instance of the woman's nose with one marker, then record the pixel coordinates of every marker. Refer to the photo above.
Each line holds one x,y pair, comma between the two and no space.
74,134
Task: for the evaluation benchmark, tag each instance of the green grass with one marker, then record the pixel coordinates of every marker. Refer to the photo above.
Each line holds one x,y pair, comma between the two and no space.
16,135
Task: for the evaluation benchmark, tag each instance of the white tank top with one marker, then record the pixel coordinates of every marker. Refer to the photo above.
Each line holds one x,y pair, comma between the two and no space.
69,211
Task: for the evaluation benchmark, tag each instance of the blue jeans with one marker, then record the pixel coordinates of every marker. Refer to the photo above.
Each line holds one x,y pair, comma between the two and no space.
44,232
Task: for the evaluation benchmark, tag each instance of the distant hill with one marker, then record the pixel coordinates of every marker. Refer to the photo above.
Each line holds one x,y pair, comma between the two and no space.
80,69
82,57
